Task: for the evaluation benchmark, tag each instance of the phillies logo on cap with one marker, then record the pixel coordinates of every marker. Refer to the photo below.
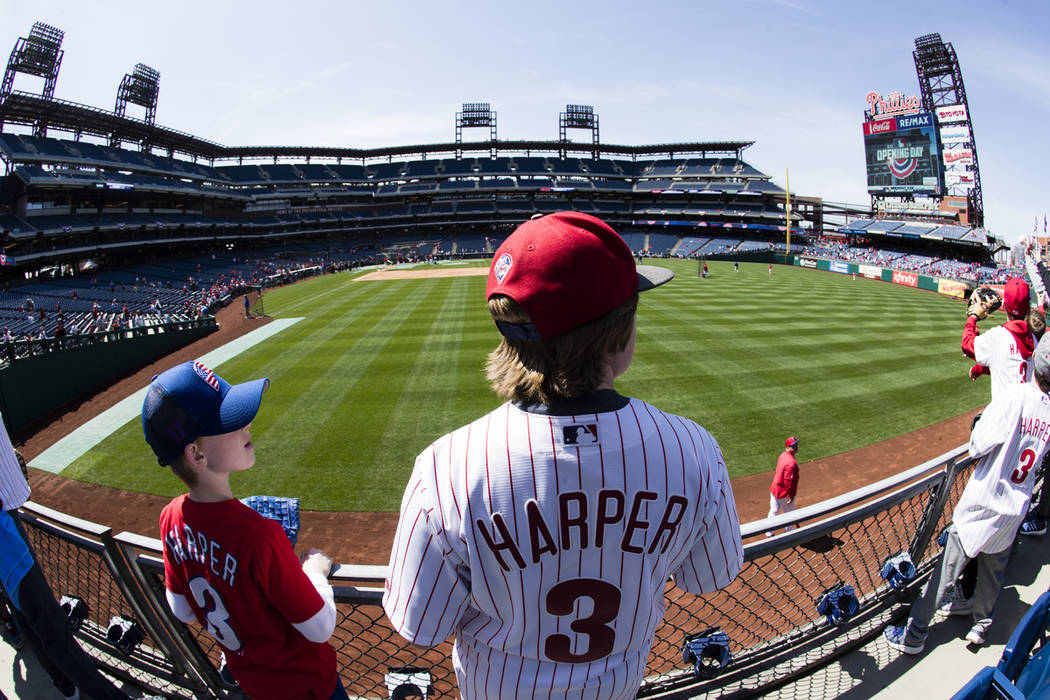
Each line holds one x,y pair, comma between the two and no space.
502,267
207,375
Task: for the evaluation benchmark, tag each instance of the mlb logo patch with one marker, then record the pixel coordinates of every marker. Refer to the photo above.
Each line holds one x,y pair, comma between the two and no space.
207,375
502,266
580,434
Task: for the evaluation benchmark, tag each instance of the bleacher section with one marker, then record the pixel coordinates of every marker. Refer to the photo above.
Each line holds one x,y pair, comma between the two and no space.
85,198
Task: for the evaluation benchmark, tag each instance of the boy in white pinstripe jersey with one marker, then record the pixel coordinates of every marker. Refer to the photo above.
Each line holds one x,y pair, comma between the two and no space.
542,534
1011,439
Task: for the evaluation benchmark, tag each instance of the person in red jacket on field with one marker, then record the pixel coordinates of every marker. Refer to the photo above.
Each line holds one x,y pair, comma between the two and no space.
785,483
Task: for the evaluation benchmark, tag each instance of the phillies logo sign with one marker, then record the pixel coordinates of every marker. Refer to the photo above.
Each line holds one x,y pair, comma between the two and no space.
894,103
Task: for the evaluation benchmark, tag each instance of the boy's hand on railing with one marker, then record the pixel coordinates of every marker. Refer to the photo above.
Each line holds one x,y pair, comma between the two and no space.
316,561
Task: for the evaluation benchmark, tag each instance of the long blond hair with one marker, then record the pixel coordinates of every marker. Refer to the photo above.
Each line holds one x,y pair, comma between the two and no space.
566,366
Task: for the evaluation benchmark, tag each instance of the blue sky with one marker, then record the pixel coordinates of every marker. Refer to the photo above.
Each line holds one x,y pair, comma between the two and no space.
790,75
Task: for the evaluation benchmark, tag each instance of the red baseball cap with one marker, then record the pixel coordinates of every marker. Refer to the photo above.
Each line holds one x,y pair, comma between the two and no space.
566,269
1016,297
791,441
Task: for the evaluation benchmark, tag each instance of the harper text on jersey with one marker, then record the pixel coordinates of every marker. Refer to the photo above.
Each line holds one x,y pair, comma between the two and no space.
199,548
575,516
1036,427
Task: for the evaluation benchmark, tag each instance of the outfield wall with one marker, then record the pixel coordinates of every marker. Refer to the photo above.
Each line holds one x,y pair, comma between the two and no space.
769,612
941,285
76,366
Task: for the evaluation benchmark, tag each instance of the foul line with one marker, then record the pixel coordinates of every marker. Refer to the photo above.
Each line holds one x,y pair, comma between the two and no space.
67,450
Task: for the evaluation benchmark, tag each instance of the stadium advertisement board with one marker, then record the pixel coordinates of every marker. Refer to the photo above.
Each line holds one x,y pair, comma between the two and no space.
955,134
958,179
870,271
807,262
950,113
839,266
952,288
908,279
902,155
958,156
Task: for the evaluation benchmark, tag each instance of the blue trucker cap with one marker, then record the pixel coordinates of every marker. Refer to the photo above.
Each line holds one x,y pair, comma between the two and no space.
190,401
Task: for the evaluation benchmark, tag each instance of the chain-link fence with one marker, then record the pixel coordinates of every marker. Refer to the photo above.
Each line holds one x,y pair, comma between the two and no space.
776,633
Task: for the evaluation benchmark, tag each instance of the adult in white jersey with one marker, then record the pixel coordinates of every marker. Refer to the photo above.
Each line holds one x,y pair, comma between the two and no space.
1005,349
1003,352
1011,439
542,534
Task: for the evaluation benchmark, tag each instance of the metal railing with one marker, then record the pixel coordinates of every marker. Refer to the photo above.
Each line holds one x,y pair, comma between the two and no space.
769,611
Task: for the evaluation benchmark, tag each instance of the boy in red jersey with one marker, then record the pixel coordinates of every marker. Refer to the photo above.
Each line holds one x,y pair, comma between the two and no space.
224,564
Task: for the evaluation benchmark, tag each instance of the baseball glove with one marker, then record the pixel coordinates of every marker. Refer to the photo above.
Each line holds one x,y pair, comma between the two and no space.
983,301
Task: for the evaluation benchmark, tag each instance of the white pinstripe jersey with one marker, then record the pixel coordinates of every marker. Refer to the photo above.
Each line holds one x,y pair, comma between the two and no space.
14,491
997,350
544,543
1011,438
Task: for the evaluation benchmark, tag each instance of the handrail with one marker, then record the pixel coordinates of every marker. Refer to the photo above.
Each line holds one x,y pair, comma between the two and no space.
769,611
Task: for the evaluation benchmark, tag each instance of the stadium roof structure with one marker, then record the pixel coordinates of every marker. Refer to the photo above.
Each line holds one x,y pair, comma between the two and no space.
28,109
33,110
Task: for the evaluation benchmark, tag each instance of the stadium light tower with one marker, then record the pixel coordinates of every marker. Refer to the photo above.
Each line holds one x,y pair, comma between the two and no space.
38,54
579,117
943,92
476,114
140,87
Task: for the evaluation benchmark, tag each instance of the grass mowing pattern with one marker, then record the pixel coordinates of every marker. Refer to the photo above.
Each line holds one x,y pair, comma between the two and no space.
378,370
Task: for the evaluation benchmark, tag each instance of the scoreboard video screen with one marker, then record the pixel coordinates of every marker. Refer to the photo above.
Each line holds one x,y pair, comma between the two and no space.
902,155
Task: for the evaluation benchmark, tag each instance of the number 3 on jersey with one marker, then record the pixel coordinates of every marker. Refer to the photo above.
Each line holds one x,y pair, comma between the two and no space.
216,618
1027,460
601,638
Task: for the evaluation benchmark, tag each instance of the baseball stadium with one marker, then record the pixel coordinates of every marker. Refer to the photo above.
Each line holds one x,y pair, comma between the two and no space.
354,279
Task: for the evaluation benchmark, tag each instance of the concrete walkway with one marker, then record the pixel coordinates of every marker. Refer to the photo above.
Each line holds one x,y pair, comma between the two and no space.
948,662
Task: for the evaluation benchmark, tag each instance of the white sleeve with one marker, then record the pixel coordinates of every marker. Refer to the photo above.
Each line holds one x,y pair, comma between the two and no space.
424,571
1036,272
718,553
984,345
180,606
990,430
321,625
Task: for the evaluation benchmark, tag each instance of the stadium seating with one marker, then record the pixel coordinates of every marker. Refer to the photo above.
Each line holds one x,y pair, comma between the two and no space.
661,243
1022,662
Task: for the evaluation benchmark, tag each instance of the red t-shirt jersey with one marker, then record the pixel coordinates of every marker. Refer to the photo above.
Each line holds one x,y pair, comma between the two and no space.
240,574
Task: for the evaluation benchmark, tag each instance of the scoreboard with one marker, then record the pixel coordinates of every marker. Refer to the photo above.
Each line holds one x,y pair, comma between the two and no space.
902,155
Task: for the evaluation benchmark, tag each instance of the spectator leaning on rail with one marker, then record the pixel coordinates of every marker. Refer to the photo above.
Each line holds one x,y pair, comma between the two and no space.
40,619
542,534
1005,349
225,565
1010,439
1003,352
1036,522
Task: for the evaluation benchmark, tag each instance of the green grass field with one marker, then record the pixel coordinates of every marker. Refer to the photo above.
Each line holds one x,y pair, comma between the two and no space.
378,370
